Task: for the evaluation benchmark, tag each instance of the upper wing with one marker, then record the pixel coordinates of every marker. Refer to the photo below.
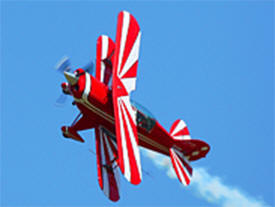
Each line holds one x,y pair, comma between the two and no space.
107,170
124,81
104,58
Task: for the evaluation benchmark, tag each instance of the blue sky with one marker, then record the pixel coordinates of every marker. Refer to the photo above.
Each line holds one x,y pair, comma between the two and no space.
209,63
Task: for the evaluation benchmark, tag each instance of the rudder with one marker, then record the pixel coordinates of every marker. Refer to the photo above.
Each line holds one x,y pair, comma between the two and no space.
179,130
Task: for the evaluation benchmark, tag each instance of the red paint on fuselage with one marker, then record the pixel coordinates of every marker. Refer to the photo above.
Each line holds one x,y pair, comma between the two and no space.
99,108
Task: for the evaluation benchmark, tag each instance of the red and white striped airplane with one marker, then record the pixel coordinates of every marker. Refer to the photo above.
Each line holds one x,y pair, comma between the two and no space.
120,124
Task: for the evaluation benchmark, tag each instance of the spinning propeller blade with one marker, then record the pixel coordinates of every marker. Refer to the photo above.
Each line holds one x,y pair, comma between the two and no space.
64,65
89,68
61,100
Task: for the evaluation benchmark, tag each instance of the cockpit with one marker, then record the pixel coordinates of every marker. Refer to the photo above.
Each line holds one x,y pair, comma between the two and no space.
144,119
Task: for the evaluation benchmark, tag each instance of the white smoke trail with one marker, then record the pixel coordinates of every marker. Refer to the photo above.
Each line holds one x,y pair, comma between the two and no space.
209,187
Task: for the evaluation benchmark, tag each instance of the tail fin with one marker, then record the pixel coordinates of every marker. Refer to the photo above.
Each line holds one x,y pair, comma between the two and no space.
184,150
181,166
179,130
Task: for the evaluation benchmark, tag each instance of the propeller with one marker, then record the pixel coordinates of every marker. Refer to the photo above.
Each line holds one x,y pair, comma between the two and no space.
64,67
89,68
61,100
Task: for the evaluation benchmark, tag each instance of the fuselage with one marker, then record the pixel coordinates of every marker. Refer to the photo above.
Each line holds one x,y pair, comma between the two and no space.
94,99
98,106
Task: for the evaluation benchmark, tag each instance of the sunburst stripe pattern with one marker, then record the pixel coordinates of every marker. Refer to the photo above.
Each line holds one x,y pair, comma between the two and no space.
124,81
181,167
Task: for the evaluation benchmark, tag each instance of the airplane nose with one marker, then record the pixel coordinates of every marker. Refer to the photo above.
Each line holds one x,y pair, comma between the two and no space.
71,78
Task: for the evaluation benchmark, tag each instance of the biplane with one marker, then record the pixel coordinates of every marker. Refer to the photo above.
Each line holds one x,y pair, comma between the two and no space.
121,124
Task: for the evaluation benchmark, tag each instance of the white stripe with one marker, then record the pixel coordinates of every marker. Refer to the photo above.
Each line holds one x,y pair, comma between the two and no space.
133,140
126,101
129,84
124,146
111,155
178,168
186,172
133,56
179,127
182,137
104,53
87,89
183,171
180,155
124,33
104,170
115,170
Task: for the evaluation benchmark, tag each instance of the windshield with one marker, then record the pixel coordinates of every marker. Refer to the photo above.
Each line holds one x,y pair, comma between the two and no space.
142,109
145,118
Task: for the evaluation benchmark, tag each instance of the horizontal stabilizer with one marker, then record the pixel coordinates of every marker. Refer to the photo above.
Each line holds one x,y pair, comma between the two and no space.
181,166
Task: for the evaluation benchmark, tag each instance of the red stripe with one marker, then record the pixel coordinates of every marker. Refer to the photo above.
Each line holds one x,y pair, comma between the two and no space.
98,160
118,41
182,132
187,180
132,72
131,37
175,165
108,68
113,187
119,141
132,122
98,57
178,167
174,126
